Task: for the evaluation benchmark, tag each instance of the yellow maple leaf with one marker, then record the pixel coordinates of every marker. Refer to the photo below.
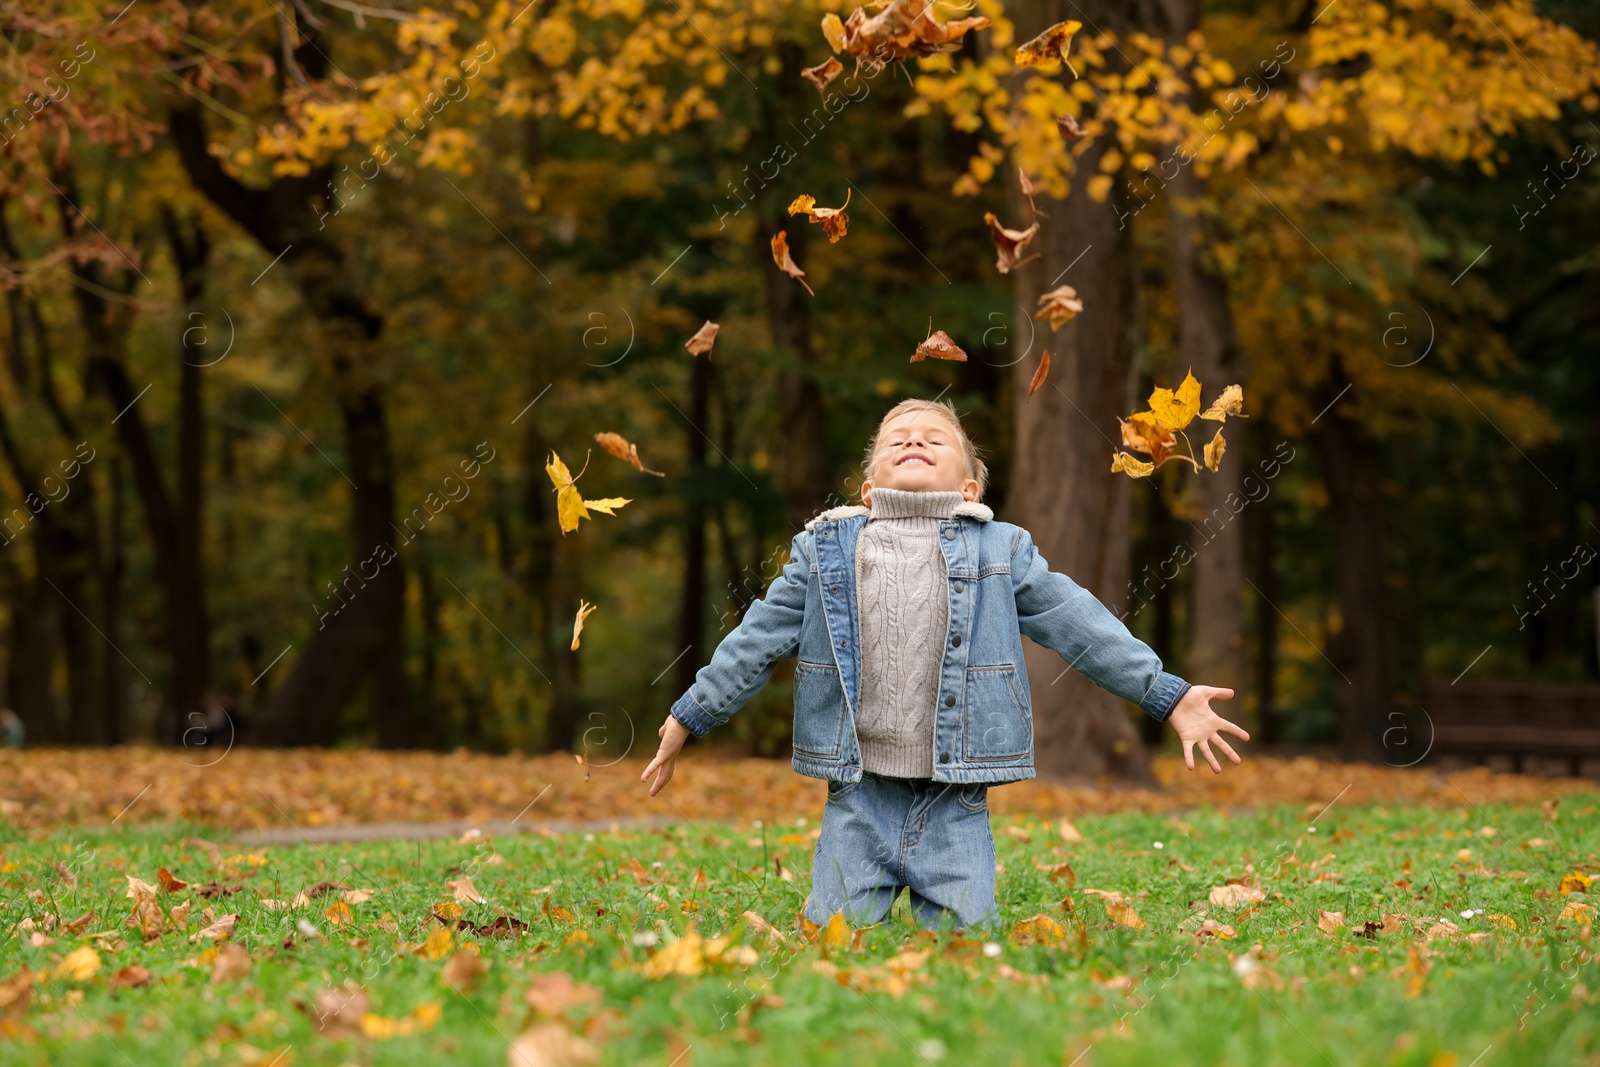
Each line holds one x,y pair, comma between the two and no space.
1175,409
1575,882
837,933
570,505
1136,468
1038,930
1124,914
79,965
585,609
438,945
685,957
1229,402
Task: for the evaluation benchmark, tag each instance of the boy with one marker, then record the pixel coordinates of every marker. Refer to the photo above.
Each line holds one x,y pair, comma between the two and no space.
910,693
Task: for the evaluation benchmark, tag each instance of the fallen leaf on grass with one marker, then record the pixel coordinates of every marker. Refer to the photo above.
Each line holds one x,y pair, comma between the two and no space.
701,342
1049,46
1068,831
761,926
178,917
232,961
585,609
219,929
939,346
422,1019
570,504
1040,374
1038,930
1124,914
79,965
1575,882
834,222
337,1012
132,976
1221,931
1235,896
147,916
1329,921
557,992
1008,244
213,890
1059,306
358,896
437,946
551,1045
780,256
168,882
1578,912
339,914
617,445
138,889
464,971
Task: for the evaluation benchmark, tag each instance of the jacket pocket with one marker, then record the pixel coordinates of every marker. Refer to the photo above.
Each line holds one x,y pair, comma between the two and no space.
818,711
998,724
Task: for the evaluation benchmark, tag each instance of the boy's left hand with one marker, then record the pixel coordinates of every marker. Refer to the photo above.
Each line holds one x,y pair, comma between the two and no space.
1196,724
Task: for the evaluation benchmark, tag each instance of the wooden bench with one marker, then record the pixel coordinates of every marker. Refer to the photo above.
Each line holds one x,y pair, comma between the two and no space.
1518,719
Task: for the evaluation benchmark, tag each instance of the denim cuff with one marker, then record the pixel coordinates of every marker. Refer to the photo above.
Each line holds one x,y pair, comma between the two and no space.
688,712
1163,696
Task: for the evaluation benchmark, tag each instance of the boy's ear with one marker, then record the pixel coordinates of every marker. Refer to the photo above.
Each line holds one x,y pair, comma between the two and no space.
970,490
866,492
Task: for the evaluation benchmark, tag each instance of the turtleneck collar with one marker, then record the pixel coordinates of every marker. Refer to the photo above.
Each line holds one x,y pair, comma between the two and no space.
908,504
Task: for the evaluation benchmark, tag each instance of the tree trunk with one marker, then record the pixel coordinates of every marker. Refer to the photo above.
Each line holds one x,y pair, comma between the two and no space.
1359,652
806,478
1263,515
692,604
1063,492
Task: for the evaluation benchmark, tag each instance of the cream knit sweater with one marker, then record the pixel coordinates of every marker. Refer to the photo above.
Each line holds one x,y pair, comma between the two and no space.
904,603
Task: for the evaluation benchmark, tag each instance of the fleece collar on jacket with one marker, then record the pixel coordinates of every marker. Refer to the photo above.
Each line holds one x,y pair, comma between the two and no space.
970,509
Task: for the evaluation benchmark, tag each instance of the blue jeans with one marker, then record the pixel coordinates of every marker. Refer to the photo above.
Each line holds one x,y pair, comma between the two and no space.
880,835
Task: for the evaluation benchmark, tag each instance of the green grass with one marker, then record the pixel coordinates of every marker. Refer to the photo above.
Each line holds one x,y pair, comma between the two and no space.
1526,995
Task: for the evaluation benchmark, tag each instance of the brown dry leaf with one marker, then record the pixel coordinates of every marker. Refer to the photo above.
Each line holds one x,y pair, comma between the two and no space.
1070,130
464,971
703,339
147,916
1125,463
232,961
1175,409
1124,914
902,29
570,505
1049,46
1068,831
619,446
1040,374
1059,306
555,992
823,73
1549,808
168,882
218,930
1391,923
79,965
139,889
1213,451
780,256
766,929
1329,921
1235,896
14,995
585,609
1142,433
1008,244
939,346
1038,930
178,917
132,976
1229,402
551,1045
358,896
1220,930
835,223
1059,872
337,1012
833,30
81,923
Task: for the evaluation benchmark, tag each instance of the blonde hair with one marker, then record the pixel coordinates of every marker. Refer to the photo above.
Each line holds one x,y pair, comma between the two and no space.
976,467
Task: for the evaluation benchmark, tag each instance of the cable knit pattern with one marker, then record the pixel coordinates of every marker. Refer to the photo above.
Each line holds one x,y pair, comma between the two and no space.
902,585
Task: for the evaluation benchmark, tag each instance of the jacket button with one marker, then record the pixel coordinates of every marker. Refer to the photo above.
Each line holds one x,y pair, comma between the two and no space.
956,640
944,757
956,586
950,701
949,535
833,589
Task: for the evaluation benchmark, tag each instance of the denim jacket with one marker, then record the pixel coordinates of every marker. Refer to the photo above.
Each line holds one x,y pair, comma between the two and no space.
1000,588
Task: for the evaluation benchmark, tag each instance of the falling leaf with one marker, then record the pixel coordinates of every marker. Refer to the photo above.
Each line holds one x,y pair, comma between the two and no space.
217,930
1040,374
902,29
780,256
1143,433
1038,930
835,223
1329,921
1213,451
570,505
618,446
585,609
823,73
132,976
1008,244
1059,306
1175,409
556,992
169,883
1070,130
551,1045
939,346
79,965
1576,882
1124,914
1229,402
232,962
465,892
1235,896
1050,45
1122,462
698,345
833,30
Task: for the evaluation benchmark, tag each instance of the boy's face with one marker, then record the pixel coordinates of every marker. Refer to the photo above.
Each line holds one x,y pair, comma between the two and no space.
919,451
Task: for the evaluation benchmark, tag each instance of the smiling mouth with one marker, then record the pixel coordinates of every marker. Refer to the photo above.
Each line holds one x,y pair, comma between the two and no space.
913,458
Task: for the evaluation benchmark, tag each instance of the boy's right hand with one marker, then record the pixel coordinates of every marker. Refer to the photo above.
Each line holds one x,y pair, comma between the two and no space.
673,735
